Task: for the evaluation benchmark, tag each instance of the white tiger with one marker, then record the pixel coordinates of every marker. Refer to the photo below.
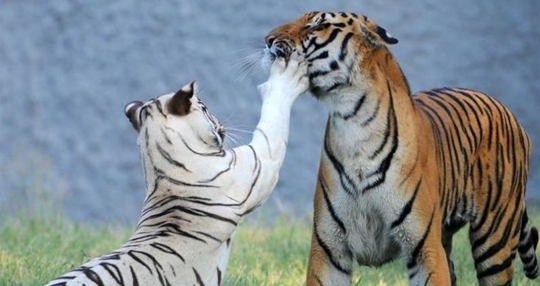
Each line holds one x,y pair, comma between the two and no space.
197,192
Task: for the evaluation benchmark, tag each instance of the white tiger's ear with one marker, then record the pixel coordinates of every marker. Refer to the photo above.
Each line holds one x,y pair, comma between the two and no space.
180,103
131,113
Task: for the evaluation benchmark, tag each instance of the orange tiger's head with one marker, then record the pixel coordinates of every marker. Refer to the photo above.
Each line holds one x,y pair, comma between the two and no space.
333,44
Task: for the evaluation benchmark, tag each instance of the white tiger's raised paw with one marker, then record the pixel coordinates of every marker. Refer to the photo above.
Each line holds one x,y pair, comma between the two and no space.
288,80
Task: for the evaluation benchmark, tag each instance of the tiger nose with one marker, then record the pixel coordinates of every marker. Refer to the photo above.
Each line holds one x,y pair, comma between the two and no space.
270,39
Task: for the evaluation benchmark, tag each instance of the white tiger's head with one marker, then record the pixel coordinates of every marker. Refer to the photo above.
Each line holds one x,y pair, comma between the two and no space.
179,115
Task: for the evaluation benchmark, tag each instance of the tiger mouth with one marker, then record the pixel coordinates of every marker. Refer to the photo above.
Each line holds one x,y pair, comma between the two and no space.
280,49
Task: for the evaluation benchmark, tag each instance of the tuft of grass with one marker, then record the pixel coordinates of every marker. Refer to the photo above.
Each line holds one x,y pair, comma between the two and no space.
34,250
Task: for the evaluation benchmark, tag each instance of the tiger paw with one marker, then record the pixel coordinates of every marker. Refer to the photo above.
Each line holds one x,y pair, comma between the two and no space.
288,80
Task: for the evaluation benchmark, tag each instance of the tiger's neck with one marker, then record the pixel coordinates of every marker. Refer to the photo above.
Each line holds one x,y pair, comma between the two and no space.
373,119
365,88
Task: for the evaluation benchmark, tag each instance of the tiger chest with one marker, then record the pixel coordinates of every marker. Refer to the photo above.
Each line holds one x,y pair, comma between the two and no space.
368,237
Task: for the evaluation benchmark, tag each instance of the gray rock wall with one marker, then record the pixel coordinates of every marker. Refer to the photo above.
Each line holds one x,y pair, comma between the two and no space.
68,67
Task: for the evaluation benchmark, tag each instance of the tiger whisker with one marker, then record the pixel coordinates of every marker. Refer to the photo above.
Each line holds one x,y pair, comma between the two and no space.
239,130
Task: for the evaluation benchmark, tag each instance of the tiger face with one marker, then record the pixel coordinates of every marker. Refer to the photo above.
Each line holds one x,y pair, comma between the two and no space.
181,114
333,44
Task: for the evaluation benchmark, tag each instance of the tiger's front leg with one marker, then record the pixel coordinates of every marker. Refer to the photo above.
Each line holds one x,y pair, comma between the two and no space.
427,263
330,260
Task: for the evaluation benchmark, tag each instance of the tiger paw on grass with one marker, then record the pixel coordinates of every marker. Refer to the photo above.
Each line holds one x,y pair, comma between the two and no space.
197,192
400,173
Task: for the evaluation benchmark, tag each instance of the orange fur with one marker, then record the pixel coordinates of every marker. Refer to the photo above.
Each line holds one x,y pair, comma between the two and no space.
425,164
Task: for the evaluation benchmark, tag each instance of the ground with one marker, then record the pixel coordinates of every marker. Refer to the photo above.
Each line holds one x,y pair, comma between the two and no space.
35,249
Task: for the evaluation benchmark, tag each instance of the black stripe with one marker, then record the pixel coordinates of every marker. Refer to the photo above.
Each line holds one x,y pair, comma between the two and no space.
134,277
320,56
317,277
198,277
343,50
385,163
163,176
428,278
257,169
329,253
93,276
167,249
373,115
169,158
318,74
420,244
334,86
339,25
266,139
116,274
357,107
331,38
495,248
220,153
219,276
478,225
218,174
166,136
157,266
496,268
329,205
160,108
350,188
407,208
495,222
208,235
389,117
254,156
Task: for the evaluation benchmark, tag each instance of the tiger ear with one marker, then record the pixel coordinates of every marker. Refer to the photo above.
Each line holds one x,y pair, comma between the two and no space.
131,113
385,36
377,33
180,103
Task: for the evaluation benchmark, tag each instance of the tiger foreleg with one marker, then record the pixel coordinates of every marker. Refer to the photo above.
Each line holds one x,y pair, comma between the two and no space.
429,266
447,244
427,261
329,263
263,157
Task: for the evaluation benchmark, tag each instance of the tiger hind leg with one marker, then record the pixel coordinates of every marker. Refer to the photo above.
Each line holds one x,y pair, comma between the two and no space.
528,241
494,247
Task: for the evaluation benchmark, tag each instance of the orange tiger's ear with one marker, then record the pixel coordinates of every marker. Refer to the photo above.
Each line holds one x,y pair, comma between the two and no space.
378,33
385,36
180,103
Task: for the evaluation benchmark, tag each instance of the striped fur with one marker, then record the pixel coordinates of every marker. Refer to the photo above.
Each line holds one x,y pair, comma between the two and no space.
197,192
400,173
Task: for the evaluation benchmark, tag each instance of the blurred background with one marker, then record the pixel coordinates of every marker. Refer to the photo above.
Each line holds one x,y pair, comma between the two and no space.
68,67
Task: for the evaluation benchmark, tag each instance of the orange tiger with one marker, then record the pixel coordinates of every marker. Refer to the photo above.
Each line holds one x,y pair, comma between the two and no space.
400,173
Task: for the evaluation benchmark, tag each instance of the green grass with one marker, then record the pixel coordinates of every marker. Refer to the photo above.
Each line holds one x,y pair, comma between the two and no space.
35,250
